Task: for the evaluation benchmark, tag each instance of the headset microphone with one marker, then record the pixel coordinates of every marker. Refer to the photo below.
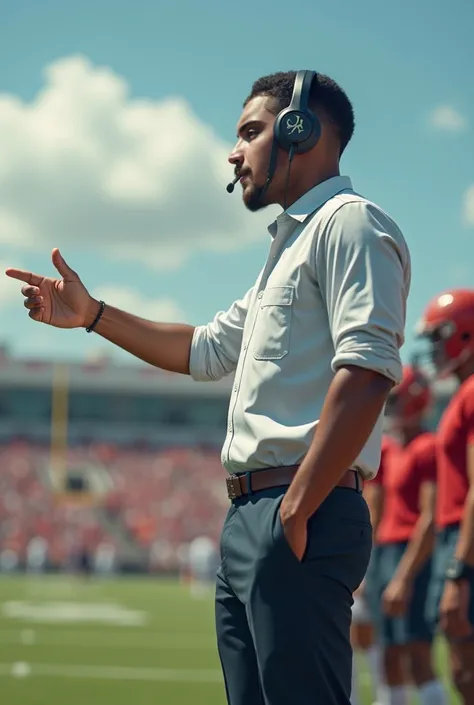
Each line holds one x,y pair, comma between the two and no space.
230,187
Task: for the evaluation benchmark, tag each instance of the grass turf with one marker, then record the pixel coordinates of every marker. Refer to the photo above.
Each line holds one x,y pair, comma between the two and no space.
111,642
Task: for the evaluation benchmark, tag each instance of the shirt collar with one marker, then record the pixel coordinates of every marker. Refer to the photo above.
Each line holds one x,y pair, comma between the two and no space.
309,202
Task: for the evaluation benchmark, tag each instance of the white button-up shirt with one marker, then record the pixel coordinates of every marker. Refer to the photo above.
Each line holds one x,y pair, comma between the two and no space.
333,292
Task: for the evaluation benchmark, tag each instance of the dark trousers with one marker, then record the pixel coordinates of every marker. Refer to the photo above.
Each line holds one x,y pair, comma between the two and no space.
283,624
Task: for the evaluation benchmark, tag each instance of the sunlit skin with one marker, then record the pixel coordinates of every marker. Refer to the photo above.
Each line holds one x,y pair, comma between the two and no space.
251,157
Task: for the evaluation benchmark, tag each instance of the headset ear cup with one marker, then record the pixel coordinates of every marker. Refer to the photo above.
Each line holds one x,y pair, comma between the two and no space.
313,138
296,129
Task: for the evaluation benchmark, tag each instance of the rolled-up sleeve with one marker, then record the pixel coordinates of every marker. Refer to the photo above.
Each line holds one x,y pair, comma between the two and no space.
215,347
363,271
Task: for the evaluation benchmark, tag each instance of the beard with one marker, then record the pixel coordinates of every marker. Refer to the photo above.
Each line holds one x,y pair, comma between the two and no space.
253,197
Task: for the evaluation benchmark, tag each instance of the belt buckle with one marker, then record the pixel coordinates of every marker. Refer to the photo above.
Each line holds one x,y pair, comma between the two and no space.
232,484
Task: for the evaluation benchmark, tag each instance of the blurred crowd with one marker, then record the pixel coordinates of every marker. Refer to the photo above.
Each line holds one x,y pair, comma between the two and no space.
154,503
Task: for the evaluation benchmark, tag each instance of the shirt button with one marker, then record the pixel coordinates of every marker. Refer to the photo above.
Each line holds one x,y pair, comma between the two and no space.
260,294
235,388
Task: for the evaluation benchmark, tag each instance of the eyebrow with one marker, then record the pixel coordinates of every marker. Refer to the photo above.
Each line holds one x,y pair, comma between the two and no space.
246,126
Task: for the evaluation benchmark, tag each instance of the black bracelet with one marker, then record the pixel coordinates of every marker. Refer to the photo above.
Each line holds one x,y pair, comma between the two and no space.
97,318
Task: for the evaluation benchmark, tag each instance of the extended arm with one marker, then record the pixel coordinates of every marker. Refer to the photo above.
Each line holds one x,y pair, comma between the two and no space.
205,352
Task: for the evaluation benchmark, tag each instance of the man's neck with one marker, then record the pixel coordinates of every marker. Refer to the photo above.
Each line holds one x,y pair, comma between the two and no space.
305,184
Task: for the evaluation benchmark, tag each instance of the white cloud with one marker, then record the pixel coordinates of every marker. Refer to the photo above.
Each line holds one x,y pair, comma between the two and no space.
139,179
133,301
447,118
469,206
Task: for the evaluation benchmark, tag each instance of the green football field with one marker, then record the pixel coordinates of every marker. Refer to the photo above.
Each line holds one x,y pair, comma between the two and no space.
66,641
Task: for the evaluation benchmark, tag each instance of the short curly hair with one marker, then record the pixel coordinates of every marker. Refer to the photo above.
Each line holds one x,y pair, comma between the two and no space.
325,93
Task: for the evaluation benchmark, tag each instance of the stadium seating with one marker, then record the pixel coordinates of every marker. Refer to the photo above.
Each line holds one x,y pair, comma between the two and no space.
157,501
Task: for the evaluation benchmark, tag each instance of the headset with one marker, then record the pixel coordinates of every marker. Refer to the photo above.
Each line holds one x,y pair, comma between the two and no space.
296,128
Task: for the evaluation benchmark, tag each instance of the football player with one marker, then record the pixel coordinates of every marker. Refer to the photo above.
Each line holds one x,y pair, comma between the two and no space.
203,561
363,635
448,324
405,539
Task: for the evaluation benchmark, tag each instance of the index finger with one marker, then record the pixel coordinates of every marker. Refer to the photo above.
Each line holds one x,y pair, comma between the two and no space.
24,276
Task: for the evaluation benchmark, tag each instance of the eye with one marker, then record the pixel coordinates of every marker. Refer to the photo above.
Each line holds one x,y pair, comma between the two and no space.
251,133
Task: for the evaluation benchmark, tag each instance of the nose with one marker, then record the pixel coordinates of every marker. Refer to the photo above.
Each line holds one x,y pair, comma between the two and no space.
236,157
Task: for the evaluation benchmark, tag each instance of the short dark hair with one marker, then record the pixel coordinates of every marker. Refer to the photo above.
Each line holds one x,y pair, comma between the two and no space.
325,93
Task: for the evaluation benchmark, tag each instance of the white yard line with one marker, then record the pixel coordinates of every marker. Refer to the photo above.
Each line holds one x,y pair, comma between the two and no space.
54,670
86,639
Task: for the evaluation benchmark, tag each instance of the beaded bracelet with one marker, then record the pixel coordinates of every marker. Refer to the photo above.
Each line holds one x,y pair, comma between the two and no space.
97,318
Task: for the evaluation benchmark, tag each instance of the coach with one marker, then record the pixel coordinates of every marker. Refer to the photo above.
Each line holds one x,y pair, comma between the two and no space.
314,346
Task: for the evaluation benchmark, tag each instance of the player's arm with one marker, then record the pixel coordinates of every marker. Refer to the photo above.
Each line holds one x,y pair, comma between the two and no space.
465,547
454,606
362,269
420,546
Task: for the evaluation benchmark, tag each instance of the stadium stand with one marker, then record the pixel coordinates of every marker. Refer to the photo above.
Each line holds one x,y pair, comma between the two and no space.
141,474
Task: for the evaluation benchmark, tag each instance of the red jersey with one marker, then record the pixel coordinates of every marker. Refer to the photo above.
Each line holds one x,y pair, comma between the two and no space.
405,469
455,433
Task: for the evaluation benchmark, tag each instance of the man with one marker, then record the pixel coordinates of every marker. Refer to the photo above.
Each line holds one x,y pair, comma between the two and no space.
314,345
448,324
405,539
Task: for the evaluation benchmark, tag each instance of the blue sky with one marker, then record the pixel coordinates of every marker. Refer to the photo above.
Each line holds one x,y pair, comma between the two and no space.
406,66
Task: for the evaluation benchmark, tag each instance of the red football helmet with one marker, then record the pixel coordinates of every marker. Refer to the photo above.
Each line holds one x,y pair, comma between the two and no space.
448,324
410,399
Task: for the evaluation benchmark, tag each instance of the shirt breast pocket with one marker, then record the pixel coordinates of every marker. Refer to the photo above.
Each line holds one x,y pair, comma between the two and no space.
271,337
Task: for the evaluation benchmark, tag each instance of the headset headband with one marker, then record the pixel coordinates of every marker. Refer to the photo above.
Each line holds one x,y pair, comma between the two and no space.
301,90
